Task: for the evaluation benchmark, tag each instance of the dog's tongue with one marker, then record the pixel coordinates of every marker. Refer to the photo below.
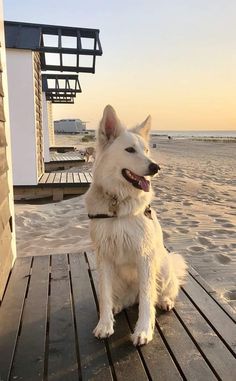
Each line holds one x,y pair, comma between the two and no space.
144,184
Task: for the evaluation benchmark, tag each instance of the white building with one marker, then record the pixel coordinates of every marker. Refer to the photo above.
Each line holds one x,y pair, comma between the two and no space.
25,106
29,53
69,126
7,225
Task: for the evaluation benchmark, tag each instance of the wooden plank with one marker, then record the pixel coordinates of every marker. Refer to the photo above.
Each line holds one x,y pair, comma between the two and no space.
216,316
2,114
187,355
213,294
10,313
3,141
157,358
29,358
93,357
5,240
4,187
123,353
5,215
70,178
82,178
3,160
76,177
62,360
57,178
221,359
63,178
51,178
88,177
44,178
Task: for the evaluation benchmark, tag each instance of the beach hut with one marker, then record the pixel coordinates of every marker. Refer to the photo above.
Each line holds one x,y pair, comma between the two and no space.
57,88
69,126
33,49
7,229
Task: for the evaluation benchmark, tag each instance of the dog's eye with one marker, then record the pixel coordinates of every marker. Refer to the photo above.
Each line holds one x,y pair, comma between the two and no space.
130,150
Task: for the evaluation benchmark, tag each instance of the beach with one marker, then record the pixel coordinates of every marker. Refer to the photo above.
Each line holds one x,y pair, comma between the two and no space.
194,200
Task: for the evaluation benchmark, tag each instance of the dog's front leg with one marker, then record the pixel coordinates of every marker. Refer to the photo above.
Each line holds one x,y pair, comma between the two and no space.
104,327
147,298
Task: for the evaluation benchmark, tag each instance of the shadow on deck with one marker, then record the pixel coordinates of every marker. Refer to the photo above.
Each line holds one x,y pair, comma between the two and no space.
50,308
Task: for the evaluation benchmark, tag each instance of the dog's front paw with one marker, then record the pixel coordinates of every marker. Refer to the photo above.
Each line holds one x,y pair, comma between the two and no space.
142,337
166,304
104,329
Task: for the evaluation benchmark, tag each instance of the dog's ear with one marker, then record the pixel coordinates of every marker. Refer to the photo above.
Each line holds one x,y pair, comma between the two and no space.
110,127
144,128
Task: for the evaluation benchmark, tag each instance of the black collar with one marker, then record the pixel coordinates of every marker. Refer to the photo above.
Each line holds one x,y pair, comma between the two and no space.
147,213
92,216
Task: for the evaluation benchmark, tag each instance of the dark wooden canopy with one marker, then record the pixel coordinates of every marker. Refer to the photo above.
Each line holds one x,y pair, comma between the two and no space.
57,54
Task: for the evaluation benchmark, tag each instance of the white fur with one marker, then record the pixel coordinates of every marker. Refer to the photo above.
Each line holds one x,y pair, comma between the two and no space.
133,263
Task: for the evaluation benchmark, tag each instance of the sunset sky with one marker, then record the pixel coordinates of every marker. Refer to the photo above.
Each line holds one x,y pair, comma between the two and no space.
173,59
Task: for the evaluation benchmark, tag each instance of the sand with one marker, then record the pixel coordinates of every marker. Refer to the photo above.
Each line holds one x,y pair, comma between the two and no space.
195,203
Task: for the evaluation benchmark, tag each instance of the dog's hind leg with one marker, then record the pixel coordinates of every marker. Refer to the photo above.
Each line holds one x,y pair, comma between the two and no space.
104,327
143,332
173,271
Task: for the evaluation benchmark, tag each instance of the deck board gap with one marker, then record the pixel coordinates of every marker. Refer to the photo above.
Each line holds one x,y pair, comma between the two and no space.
74,321
210,323
170,351
142,359
18,332
111,365
211,294
46,348
5,289
197,345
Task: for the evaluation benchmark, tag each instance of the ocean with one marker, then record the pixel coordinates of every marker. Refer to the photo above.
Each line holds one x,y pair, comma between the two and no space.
196,134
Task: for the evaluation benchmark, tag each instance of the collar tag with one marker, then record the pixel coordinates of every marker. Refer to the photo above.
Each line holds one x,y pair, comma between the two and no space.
148,212
113,204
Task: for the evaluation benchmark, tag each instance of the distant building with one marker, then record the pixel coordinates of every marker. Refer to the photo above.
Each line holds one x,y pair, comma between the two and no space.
69,126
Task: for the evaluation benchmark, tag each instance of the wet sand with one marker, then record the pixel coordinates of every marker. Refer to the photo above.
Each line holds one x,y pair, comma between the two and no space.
195,202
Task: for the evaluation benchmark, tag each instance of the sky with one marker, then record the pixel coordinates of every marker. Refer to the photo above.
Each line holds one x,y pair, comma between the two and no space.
172,59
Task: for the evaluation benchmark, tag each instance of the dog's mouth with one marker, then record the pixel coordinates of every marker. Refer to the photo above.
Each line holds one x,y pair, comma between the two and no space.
137,181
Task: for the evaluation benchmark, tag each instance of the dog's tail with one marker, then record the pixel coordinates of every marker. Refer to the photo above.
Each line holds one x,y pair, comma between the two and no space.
180,266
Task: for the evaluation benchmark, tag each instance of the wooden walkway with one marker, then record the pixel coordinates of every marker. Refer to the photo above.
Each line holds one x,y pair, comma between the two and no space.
65,178
63,161
55,185
50,308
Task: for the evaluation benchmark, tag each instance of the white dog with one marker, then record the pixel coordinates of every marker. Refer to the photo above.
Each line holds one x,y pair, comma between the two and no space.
133,264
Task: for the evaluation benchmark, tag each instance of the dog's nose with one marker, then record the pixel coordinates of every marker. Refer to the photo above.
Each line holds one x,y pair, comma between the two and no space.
153,168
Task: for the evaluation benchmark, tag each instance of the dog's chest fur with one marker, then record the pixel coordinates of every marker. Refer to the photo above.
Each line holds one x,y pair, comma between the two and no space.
122,239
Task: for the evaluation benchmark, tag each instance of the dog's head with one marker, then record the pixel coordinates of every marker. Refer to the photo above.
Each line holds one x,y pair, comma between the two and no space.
123,155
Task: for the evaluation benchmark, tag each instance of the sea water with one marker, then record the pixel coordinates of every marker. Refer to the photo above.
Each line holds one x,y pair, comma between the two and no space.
197,134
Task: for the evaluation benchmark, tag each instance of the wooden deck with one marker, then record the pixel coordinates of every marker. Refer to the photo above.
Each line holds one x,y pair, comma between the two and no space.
50,308
55,185
60,161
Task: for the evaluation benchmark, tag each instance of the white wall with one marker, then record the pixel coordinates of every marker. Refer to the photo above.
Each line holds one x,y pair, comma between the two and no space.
22,116
69,126
7,128
51,125
46,138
